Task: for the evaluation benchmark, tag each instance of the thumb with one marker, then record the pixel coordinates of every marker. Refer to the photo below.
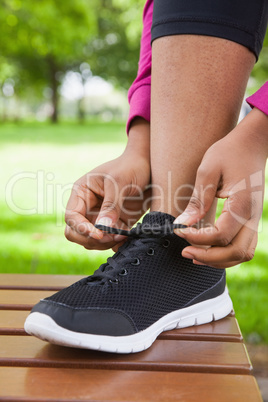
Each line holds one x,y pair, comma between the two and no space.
112,203
204,193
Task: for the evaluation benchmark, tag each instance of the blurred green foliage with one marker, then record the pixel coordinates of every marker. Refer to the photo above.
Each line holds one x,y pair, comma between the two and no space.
42,40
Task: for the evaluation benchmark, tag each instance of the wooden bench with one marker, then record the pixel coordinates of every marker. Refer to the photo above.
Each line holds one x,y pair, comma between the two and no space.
203,363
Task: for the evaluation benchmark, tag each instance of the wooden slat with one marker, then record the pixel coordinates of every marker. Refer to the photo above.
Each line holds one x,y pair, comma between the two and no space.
218,357
225,330
21,299
37,281
52,384
12,322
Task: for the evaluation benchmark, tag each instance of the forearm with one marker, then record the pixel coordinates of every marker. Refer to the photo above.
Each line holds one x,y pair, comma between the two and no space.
139,138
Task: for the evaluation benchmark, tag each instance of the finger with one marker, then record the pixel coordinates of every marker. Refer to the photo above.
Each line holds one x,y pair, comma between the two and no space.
76,210
72,235
112,202
82,226
116,247
120,238
204,193
225,229
220,266
238,251
134,207
90,244
237,212
250,255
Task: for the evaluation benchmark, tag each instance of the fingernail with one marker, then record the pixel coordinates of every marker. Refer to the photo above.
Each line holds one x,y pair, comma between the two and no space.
119,237
186,254
105,221
179,233
182,219
198,263
182,231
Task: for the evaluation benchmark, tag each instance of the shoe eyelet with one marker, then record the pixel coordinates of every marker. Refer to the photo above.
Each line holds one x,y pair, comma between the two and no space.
136,262
123,272
150,251
166,243
114,281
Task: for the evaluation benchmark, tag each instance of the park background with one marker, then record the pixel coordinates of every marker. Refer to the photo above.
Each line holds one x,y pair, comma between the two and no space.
65,67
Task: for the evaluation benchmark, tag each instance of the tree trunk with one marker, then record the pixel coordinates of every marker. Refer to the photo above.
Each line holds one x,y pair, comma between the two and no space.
4,110
81,110
54,86
17,110
81,103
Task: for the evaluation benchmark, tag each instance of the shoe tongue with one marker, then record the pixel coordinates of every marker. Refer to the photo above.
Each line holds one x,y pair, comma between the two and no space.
157,219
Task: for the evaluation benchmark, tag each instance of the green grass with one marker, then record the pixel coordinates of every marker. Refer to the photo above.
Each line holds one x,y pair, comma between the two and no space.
40,162
32,214
65,133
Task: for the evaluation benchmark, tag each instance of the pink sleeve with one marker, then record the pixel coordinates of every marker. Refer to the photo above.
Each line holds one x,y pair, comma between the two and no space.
139,94
260,99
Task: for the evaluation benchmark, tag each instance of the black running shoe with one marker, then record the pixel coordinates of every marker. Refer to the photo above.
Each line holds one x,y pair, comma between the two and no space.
146,288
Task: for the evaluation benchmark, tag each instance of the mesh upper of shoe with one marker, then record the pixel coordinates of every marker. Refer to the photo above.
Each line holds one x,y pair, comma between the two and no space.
161,283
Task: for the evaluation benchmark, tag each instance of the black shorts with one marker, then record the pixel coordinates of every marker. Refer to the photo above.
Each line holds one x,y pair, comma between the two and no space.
241,21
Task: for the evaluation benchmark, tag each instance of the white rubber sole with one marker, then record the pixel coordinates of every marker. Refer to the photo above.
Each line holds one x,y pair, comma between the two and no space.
44,327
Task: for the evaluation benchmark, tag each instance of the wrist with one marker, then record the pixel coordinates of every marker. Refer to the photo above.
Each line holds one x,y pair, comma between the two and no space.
254,130
139,138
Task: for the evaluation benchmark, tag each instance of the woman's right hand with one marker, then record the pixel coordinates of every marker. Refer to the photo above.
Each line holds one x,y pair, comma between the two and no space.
113,194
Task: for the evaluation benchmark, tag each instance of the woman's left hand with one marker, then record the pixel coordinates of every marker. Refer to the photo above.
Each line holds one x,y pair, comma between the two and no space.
232,168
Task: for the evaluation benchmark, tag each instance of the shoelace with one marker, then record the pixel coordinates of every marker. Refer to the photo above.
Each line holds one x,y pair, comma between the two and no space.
143,230
140,236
